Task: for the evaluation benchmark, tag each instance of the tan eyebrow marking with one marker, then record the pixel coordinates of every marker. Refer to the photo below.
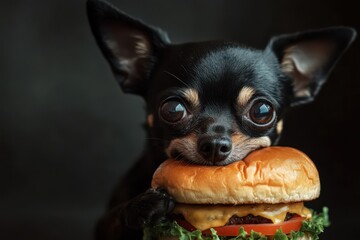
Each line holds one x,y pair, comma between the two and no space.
245,95
192,96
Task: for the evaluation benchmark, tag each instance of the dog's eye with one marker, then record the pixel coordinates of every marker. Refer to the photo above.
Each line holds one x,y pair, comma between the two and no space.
261,112
172,111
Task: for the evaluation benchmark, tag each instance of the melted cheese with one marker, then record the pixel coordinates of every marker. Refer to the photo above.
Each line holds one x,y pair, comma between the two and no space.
206,216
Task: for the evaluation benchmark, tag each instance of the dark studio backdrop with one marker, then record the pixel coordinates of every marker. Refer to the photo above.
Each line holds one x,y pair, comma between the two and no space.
67,132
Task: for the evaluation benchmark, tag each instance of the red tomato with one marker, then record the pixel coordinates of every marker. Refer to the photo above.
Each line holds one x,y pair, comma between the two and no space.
294,224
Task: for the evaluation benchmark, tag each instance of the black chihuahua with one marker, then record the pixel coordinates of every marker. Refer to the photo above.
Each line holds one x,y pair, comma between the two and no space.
210,103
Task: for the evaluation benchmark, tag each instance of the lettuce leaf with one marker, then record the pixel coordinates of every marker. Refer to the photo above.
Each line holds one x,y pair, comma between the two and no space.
317,224
312,227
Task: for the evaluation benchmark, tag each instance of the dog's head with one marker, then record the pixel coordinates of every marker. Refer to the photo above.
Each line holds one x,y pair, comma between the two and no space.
214,102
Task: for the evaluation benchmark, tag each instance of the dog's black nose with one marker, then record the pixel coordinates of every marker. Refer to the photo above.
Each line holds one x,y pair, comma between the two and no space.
214,148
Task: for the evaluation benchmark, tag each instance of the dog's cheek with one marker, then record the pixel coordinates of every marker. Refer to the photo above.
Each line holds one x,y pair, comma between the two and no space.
182,147
243,145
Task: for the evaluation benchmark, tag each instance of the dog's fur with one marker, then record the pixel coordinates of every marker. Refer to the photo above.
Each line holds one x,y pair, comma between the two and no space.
208,102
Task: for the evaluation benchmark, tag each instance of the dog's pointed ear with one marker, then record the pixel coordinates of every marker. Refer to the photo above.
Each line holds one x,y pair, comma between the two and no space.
129,45
308,57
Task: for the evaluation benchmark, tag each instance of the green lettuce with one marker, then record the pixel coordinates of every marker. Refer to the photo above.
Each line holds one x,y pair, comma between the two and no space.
312,227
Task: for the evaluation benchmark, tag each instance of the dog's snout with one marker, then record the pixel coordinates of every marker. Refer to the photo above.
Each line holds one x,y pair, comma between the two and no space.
214,148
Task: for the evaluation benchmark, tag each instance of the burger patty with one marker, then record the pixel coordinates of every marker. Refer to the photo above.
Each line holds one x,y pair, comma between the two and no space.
251,219
248,219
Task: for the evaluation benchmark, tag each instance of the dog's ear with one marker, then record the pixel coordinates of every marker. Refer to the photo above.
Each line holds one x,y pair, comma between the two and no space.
129,45
308,57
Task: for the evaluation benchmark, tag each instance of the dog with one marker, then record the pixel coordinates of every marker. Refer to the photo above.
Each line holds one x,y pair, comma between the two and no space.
210,103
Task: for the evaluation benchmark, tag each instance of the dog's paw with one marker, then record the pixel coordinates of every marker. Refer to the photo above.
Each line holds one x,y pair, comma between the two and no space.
148,208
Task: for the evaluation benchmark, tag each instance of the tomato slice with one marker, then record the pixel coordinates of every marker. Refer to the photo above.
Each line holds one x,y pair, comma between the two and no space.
294,224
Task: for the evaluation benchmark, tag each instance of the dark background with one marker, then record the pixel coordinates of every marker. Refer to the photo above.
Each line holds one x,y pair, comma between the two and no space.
67,132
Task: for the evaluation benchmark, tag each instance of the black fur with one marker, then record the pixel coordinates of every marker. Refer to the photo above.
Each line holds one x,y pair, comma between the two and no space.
290,71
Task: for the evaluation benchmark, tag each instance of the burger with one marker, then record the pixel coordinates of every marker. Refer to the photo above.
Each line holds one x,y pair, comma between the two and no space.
259,197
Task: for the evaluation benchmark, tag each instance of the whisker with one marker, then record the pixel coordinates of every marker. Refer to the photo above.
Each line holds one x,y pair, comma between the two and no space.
177,78
179,157
183,67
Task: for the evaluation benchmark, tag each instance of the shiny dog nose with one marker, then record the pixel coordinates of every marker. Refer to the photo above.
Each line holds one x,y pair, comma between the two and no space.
214,148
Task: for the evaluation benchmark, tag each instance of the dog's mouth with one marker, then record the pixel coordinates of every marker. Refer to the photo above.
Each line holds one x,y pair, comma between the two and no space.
187,149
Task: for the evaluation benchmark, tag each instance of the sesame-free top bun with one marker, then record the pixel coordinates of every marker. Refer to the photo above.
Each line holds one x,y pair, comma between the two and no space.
267,175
